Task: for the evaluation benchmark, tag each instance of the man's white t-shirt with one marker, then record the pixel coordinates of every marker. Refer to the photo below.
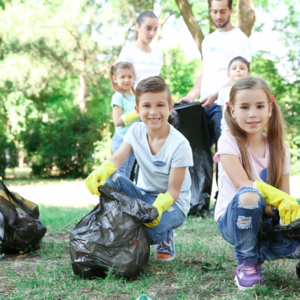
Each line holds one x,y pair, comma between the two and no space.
223,97
218,49
154,170
145,64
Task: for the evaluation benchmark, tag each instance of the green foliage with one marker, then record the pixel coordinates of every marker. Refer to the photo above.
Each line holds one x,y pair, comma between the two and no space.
179,71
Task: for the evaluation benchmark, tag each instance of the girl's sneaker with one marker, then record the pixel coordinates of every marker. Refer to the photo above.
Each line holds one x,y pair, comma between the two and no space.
259,267
247,276
165,251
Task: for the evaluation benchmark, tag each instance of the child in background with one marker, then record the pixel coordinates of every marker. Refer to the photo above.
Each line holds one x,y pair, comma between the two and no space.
163,155
244,154
122,77
238,68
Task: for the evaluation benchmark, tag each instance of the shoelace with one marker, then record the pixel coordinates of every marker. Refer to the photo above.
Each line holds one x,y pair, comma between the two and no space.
250,270
164,247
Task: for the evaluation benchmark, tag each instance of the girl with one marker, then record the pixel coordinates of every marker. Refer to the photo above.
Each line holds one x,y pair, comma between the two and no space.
122,77
244,154
146,62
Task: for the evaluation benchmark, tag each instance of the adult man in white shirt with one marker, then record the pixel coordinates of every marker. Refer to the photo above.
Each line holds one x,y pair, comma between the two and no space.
218,49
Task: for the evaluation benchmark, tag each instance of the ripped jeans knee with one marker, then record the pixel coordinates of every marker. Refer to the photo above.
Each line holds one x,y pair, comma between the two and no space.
244,222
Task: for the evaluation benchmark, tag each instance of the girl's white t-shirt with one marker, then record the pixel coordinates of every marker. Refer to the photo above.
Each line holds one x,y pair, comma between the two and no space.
145,64
227,190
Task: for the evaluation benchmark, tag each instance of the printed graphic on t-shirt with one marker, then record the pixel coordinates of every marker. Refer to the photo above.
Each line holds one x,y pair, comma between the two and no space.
150,63
213,49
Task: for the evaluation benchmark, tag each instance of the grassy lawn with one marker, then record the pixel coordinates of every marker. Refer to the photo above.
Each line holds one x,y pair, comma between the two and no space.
204,268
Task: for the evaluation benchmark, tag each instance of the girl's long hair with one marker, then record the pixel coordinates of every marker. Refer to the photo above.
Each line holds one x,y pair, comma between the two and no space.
275,132
113,72
141,18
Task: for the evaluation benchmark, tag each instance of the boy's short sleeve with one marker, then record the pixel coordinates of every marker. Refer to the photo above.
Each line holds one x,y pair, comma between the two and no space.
227,145
117,99
220,101
183,156
287,162
129,135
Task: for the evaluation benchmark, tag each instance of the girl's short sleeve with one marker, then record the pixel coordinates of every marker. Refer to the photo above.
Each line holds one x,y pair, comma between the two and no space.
227,145
287,162
117,99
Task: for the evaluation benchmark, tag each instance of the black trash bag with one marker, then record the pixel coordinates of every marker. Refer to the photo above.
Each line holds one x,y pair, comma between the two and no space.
23,230
112,235
192,124
291,231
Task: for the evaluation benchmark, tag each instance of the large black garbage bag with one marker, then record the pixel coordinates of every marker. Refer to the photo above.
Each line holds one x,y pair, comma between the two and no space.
112,235
23,230
291,231
190,120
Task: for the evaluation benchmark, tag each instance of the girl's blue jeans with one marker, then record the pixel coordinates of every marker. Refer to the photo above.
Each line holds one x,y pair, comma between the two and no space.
126,168
171,218
239,225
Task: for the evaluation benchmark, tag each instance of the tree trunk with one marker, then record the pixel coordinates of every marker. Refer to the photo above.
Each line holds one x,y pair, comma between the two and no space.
82,94
158,34
245,15
191,22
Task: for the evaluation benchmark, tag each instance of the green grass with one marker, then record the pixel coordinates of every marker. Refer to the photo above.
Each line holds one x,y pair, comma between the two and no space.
204,268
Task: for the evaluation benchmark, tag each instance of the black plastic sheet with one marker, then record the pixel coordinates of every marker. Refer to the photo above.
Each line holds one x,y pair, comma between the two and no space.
23,229
190,120
291,231
112,235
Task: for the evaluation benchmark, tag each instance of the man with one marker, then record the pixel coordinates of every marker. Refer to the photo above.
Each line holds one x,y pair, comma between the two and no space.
218,49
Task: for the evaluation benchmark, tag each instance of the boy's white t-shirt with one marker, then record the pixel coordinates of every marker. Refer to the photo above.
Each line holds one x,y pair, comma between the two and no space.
154,170
227,190
223,97
145,64
218,49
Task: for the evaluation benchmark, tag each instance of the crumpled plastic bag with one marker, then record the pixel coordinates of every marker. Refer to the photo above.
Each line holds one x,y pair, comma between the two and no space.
190,120
23,230
112,235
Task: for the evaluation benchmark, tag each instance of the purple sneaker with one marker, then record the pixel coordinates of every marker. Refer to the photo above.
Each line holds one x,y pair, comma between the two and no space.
259,267
247,276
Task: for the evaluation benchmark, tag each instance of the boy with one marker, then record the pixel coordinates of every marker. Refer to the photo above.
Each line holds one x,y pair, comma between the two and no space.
163,155
238,68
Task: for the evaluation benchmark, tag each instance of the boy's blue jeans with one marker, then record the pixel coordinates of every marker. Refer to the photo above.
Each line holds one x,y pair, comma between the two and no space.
239,225
172,218
126,168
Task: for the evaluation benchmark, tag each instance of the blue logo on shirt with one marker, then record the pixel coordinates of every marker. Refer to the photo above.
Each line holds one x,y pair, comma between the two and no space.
159,163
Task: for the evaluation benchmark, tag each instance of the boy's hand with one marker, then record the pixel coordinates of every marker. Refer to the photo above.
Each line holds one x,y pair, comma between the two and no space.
129,117
163,202
289,209
99,176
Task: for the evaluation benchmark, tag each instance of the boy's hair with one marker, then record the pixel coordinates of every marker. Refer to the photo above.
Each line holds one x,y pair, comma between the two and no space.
242,59
152,84
141,18
228,1
275,132
113,72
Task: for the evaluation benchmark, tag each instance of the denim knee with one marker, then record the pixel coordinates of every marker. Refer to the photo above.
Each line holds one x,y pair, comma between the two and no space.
114,180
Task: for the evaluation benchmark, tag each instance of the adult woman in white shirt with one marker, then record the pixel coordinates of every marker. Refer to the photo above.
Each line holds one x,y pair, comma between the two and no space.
146,61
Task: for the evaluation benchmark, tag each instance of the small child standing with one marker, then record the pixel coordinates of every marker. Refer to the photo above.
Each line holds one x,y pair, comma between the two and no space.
238,68
122,77
163,155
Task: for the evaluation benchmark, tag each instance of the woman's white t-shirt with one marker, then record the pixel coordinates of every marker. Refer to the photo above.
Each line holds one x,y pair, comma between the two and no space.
145,64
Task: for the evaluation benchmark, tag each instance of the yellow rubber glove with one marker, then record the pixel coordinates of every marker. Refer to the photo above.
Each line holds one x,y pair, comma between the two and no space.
289,209
99,176
163,202
129,117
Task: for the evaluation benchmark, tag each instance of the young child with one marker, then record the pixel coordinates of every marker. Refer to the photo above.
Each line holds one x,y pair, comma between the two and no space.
122,77
238,68
244,154
163,155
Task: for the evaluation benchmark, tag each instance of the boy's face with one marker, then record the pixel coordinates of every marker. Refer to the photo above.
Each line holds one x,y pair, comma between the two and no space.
238,70
154,109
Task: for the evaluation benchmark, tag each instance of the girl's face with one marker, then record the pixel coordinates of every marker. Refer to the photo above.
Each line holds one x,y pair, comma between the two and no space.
251,110
147,30
124,79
